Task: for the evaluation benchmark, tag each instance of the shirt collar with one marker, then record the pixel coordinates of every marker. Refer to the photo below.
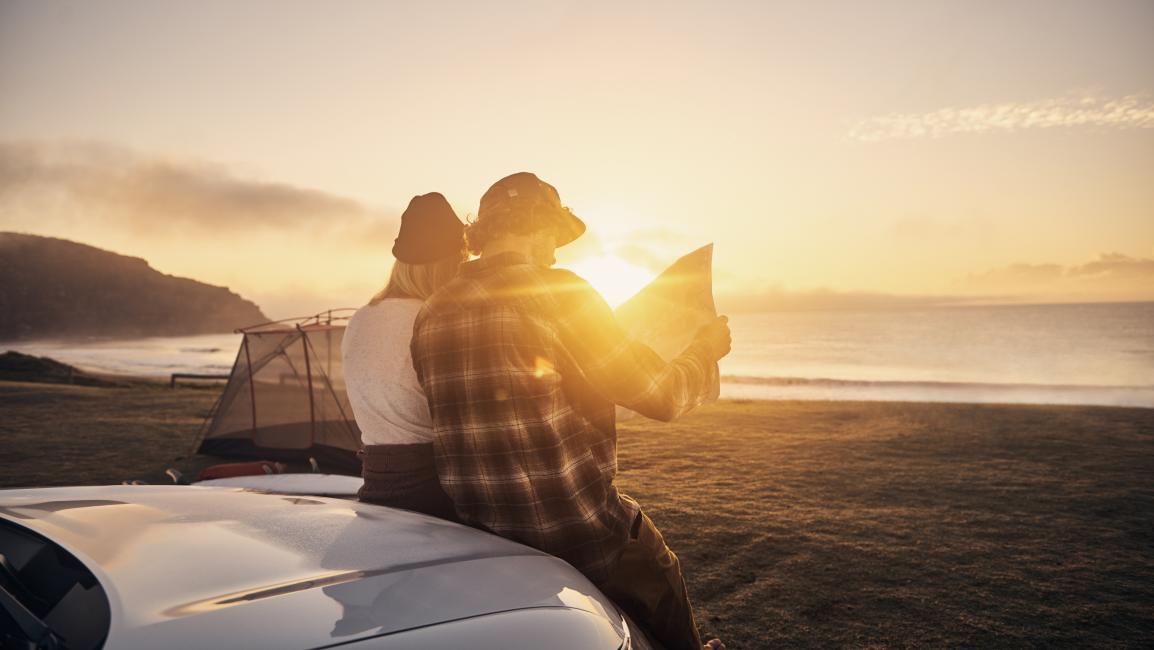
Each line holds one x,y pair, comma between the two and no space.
488,263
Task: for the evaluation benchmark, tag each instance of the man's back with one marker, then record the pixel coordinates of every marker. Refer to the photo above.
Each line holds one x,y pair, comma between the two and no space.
525,447
522,365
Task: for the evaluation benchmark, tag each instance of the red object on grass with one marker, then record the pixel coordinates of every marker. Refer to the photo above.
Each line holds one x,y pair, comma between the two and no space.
227,470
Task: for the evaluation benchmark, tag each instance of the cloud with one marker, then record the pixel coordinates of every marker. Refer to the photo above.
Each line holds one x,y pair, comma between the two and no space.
587,245
642,256
149,195
1112,276
1129,112
652,249
1118,267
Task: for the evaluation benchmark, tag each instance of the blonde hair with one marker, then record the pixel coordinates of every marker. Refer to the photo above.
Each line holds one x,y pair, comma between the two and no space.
418,280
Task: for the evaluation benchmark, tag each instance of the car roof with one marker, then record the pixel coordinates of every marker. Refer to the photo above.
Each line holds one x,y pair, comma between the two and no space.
211,566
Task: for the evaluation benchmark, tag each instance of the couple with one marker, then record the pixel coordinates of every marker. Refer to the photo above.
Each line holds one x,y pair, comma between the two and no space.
485,392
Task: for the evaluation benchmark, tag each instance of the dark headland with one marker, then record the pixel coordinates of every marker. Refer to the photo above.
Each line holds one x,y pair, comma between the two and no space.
55,288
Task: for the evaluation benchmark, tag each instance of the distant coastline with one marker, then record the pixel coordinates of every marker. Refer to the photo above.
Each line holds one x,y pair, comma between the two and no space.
63,290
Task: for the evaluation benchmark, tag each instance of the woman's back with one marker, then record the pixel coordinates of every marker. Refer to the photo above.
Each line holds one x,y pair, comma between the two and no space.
388,403
390,408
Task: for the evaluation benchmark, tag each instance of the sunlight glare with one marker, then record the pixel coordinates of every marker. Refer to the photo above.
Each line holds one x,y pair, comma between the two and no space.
614,278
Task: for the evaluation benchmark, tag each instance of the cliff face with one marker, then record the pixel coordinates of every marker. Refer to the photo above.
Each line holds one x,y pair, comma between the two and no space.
57,288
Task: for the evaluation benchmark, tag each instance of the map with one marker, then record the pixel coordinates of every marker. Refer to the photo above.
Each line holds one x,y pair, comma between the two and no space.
667,313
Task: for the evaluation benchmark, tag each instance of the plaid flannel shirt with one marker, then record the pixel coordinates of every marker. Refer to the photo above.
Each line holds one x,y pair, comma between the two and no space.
522,366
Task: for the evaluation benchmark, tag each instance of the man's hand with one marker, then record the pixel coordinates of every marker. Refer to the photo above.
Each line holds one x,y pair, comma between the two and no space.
717,336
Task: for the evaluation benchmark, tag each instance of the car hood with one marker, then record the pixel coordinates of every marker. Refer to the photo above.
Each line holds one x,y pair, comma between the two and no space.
217,567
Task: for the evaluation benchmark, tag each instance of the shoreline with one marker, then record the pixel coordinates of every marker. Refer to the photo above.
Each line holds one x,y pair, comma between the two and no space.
790,389
772,389
934,392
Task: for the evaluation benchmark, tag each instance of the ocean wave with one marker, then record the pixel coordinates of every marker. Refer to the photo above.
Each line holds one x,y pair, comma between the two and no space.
806,388
888,383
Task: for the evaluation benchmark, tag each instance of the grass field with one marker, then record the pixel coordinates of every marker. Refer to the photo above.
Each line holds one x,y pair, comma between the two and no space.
799,524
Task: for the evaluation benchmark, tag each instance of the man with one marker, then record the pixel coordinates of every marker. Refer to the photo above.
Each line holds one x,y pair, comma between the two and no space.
522,365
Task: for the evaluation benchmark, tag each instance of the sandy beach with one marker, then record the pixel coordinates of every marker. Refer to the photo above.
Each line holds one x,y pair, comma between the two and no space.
800,524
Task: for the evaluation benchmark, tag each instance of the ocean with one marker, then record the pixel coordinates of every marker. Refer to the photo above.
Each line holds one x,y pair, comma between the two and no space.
1045,354
1101,354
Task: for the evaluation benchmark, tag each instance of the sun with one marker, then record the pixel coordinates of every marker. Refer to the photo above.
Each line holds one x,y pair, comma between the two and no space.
614,278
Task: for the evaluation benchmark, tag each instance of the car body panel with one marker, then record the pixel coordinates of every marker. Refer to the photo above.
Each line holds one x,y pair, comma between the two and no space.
329,485
212,567
555,629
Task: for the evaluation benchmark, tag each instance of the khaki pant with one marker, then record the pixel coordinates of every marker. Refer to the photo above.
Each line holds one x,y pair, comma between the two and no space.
647,584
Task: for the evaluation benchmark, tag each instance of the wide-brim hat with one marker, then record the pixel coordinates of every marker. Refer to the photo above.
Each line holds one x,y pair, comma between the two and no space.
524,191
430,231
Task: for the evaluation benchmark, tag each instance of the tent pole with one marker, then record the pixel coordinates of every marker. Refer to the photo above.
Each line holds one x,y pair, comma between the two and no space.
309,375
251,386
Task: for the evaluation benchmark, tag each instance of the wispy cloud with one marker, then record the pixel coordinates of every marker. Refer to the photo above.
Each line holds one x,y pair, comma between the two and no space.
1129,112
652,249
291,249
1110,276
154,195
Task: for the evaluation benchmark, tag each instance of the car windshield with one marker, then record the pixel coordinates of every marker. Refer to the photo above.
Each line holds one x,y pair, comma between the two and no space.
48,597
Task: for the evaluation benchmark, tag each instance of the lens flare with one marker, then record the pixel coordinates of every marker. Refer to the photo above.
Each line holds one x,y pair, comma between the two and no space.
614,278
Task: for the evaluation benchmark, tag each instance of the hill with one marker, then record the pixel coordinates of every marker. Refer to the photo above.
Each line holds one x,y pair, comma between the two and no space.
58,288
15,366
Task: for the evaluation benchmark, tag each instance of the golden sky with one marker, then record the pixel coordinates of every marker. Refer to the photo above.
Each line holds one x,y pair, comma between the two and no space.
831,150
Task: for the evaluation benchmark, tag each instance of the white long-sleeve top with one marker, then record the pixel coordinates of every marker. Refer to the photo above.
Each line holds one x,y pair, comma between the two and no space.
389,405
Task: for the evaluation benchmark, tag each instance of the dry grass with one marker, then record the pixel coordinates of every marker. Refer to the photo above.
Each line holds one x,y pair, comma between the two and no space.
76,435
806,524
800,524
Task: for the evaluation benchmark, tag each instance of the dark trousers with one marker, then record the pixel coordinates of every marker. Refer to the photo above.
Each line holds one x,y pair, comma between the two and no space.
647,584
404,476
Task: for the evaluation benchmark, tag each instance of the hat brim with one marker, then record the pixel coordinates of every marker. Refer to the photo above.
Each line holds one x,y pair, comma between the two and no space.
569,228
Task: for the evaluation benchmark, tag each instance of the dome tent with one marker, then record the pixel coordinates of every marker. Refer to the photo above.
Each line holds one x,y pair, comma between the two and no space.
285,398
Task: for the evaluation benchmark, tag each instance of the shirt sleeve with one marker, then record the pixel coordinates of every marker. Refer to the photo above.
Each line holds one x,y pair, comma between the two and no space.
623,370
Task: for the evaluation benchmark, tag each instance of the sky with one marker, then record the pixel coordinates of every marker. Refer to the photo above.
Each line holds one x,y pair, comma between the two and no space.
836,153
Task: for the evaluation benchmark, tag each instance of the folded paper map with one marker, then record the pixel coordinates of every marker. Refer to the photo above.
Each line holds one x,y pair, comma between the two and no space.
668,312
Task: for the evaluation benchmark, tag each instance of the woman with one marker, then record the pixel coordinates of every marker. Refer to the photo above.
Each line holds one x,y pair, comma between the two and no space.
388,403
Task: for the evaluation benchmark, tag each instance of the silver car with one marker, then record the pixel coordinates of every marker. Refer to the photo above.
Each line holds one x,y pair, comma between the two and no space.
142,566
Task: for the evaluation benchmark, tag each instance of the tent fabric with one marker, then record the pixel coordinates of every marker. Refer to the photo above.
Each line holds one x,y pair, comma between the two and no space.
285,398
